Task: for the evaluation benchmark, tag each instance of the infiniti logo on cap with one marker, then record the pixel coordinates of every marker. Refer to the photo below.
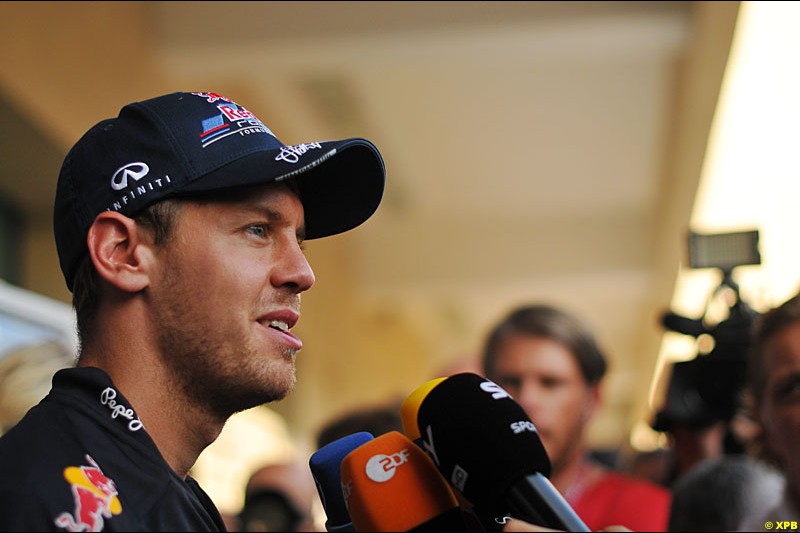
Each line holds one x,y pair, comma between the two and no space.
136,171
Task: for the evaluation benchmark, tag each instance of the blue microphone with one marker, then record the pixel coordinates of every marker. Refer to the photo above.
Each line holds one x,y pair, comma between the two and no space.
326,467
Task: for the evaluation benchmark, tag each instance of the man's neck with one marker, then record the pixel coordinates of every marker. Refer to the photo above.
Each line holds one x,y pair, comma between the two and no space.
575,475
180,429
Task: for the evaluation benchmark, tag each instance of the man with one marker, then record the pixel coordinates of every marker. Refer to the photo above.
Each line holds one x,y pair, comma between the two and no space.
717,493
551,364
279,497
774,386
179,227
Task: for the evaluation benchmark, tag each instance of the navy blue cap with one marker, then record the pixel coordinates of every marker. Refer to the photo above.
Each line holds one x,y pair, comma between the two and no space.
191,143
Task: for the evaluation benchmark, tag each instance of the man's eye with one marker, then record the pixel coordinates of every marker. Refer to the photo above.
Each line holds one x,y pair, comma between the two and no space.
552,383
259,230
790,390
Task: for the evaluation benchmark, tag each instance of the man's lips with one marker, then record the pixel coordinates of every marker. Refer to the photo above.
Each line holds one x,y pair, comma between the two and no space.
279,323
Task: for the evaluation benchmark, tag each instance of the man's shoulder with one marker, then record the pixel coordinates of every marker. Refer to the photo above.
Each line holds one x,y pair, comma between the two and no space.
35,449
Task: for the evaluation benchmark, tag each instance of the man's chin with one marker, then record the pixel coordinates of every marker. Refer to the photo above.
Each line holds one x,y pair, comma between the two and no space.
281,389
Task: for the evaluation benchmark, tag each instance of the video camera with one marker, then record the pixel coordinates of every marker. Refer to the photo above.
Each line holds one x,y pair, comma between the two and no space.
708,388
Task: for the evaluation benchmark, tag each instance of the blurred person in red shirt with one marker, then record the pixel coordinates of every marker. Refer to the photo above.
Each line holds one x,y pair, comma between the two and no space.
550,362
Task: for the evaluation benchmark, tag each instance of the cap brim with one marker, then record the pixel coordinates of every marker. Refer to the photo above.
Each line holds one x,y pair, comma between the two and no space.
341,184
343,191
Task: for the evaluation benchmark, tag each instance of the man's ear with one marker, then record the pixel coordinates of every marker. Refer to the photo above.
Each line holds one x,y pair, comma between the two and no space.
593,401
118,251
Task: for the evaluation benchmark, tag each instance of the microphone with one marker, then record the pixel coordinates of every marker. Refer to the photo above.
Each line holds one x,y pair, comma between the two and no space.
484,444
410,408
326,467
390,484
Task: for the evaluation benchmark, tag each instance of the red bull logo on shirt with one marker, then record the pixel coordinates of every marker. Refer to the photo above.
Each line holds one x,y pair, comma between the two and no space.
95,496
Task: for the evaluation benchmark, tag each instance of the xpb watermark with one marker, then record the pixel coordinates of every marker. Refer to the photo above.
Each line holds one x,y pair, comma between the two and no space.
784,525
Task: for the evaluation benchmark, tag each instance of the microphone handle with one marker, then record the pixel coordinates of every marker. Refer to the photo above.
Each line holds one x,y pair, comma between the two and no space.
536,500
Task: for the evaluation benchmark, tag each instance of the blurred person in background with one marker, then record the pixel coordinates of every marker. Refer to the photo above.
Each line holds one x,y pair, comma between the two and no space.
25,375
375,419
279,497
652,465
774,393
718,494
551,364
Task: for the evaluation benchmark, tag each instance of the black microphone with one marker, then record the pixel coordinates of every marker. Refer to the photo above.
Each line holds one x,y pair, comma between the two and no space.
486,446
326,467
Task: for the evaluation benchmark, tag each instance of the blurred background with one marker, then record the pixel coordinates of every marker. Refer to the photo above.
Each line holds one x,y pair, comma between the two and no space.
553,152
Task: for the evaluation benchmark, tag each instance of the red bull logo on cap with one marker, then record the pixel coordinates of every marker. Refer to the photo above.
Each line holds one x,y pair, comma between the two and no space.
95,497
232,120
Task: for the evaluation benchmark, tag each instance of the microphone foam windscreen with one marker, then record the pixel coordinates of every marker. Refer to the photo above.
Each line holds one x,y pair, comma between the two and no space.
326,467
390,484
409,409
480,438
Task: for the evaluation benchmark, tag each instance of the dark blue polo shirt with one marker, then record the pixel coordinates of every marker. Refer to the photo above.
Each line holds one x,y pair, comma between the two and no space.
81,460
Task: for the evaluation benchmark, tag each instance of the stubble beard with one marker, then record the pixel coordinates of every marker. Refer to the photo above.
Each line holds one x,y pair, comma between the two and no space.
215,367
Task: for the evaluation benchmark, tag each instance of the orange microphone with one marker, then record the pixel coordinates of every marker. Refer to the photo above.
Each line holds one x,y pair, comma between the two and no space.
390,484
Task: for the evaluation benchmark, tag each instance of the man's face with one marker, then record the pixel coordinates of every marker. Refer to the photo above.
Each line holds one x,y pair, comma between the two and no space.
226,290
544,378
780,405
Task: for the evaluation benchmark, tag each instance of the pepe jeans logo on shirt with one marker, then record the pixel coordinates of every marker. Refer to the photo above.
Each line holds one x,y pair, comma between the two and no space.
108,398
